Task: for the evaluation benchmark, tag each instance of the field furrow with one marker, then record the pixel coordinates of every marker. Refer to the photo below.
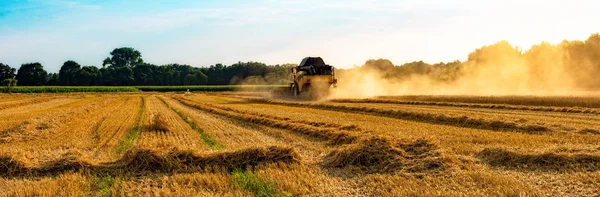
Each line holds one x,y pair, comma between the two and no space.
332,135
194,184
476,105
557,121
162,128
220,124
17,115
243,144
591,101
68,184
110,130
222,131
70,133
10,97
236,134
23,102
24,115
434,118
34,123
358,183
421,116
465,141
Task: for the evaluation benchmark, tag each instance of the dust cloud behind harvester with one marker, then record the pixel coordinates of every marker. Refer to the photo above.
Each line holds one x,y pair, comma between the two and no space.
568,68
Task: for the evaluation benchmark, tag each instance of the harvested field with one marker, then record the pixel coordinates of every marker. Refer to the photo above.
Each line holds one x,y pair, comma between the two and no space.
244,144
589,101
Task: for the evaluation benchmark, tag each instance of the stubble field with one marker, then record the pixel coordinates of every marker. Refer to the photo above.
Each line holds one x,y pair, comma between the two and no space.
247,144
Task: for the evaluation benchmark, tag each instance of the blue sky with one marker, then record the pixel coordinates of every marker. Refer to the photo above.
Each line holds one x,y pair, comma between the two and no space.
344,33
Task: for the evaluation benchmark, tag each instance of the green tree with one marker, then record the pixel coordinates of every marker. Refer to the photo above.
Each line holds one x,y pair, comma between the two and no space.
123,76
8,84
143,74
6,72
201,78
68,73
53,79
32,74
88,75
195,77
216,75
189,79
105,76
124,57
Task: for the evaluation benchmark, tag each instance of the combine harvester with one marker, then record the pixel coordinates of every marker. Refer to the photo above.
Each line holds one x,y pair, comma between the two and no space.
312,79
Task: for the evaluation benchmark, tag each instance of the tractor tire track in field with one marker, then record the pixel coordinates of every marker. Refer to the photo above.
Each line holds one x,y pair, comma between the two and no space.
44,106
52,109
348,127
44,125
24,102
583,101
336,160
389,155
511,160
136,160
133,134
6,133
205,138
555,121
334,136
68,134
544,162
462,121
164,128
293,149
235,133
549,162
116,126
95,130
475,105
86,120
290,111
141,159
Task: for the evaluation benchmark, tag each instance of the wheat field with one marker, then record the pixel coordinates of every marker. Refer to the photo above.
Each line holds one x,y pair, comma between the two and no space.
246,144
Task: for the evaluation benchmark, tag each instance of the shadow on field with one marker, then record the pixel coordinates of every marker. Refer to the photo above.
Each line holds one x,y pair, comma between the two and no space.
138,160
550,162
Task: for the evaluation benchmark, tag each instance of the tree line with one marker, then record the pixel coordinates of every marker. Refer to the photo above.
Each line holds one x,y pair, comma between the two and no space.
126,67
579,60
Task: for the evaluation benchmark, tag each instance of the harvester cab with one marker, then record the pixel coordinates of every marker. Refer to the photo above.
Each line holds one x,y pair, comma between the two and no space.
312,78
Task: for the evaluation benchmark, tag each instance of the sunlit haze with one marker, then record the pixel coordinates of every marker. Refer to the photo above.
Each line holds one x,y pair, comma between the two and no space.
344,33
